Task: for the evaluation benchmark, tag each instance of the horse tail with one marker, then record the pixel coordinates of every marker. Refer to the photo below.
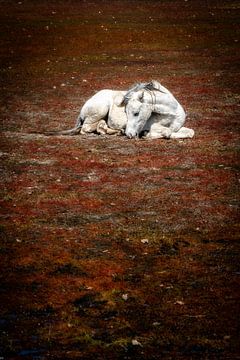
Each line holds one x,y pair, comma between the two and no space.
71,132
74,131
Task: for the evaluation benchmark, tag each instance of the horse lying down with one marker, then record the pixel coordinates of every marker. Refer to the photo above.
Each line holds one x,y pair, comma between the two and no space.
99,114
147,109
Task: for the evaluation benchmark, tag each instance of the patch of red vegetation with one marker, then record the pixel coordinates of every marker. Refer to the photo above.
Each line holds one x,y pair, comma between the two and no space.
114,248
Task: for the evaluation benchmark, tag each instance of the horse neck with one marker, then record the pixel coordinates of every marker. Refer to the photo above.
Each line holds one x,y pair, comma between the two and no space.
155,97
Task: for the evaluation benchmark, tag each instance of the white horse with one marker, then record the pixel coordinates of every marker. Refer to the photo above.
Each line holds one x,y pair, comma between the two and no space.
152,110
100,114
146,108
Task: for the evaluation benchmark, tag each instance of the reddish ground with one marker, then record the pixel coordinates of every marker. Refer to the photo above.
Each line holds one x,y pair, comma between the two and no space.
114,248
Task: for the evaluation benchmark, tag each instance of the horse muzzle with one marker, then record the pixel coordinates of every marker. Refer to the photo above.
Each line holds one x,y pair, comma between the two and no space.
132,136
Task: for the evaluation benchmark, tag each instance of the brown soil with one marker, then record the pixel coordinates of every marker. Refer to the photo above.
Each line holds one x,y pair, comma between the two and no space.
113,248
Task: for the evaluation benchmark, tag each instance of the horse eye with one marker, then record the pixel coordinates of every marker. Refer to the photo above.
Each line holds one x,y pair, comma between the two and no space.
136,114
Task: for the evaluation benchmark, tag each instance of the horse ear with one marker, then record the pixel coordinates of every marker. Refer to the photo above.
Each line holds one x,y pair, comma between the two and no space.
141,95
119,100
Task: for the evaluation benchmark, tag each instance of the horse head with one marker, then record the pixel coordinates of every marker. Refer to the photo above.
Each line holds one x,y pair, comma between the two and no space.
138,112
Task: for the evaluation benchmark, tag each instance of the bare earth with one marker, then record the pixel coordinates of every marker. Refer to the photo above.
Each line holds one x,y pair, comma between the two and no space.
114,248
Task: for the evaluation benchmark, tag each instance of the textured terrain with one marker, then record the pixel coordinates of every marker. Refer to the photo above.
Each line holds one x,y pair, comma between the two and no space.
114,248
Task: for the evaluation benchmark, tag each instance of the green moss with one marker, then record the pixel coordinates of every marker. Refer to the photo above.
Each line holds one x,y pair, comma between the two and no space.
87,339
120,342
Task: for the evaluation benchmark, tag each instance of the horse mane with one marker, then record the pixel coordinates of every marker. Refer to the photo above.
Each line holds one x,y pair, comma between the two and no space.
150,86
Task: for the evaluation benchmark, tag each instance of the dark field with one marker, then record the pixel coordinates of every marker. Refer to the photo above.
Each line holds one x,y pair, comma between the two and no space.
114,248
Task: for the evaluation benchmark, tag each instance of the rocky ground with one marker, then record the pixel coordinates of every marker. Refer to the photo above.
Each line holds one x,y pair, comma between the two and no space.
114,248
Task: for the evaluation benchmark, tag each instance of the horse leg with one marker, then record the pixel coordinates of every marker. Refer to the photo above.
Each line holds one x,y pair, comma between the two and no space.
178,120
157,131
88,128
103,129
90,124
183,133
